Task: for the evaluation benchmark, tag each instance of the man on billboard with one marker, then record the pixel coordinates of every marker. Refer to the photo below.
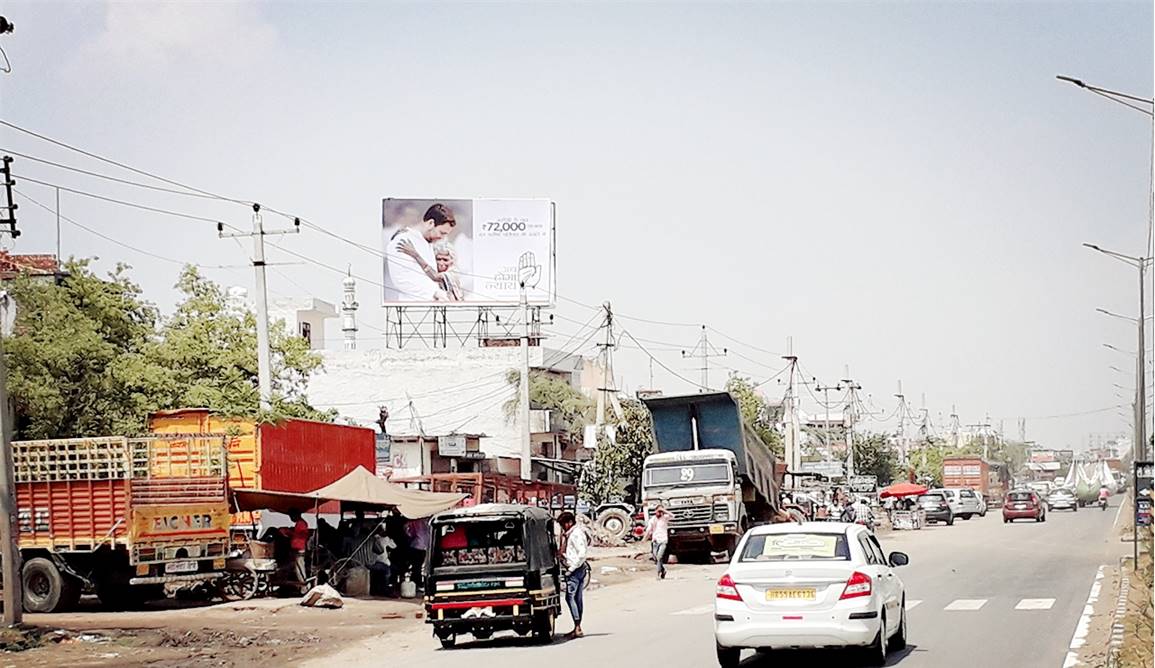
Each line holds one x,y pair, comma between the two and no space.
414,269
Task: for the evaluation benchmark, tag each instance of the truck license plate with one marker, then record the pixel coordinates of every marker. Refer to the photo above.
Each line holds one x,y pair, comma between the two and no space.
717,528
180,567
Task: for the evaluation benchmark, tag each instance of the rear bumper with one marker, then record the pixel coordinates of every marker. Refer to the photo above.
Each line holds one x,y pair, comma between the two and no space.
1066,505
814,630
1020,514
937,515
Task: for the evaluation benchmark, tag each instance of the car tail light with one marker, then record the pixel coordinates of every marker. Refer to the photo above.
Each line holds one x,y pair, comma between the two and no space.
857,585
727,589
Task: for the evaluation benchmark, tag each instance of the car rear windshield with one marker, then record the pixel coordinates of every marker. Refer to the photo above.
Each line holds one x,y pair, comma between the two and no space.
931,498
478,543
798,546
1019,496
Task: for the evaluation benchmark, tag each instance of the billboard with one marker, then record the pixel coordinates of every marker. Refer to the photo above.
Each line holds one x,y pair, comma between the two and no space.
468,251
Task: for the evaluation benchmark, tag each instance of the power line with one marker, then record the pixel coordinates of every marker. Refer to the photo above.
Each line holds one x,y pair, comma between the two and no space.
121,202
106,177
659,362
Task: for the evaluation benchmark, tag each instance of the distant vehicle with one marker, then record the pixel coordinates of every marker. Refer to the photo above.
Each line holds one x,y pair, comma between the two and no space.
812,585
1024,504
711,471
990,479
936,507
963,502
1063,499
1041,487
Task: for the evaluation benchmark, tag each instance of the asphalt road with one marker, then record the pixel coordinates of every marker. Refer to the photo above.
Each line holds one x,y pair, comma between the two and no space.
979,593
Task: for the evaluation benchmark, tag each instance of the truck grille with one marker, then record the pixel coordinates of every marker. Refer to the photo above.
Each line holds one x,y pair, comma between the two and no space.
687,515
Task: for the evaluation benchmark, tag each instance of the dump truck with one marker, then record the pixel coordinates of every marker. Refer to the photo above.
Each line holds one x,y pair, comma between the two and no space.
119,517
290,456
711,471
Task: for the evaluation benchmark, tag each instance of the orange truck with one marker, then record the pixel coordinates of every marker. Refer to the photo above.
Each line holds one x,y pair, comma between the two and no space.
119,516
991,479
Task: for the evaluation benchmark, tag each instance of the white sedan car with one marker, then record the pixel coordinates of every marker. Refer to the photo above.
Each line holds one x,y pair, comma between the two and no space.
818,584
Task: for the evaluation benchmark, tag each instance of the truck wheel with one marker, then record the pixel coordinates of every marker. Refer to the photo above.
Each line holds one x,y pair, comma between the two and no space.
46,589
615,522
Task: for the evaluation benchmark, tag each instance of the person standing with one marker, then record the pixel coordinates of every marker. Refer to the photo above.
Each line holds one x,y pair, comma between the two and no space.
417,531
299,542
575,550
658,533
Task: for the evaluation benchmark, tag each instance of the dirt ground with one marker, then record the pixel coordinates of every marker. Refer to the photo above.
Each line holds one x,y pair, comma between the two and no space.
175,635
1137,646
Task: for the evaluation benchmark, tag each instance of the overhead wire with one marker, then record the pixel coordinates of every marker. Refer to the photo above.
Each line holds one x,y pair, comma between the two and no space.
135,205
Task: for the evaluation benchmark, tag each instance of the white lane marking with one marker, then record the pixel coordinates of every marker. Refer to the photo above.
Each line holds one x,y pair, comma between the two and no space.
1080,636
1035,604
700,610
911,605
1118,513
966,604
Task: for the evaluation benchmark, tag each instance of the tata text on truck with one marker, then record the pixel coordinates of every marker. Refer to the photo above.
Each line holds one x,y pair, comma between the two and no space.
714,475
121,517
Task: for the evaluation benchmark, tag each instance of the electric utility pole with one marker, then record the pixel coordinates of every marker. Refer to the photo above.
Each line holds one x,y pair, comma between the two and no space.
825,390
264,356
850,419
705,351
9,529
901,424
607,394
954,425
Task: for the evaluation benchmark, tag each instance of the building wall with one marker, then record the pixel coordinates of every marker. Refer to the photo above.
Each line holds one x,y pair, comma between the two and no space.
435,392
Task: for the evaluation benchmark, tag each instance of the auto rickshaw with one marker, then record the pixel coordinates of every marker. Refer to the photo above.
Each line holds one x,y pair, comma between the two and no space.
492,567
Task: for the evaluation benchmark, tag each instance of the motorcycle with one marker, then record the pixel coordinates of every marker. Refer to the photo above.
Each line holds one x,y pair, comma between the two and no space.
1103,503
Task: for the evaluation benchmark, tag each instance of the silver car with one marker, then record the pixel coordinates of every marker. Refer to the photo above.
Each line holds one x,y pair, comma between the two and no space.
964,502
1062,499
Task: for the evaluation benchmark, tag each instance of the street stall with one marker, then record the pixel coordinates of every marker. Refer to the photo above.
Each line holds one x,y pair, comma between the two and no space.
261,564
911,518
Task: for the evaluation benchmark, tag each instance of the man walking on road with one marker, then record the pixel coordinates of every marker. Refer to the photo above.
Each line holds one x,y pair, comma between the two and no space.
658,532
574,548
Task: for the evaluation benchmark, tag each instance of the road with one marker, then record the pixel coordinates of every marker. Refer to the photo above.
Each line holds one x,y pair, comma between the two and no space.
979,593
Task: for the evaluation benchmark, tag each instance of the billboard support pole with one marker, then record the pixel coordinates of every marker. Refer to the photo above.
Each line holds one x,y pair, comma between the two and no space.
523,403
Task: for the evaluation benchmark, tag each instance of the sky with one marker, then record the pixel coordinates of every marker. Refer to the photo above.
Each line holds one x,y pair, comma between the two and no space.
898,188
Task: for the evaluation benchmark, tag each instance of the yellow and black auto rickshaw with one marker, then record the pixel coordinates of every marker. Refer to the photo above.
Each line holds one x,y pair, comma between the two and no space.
492,567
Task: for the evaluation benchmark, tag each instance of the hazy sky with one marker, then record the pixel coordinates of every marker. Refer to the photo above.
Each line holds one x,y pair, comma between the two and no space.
903,188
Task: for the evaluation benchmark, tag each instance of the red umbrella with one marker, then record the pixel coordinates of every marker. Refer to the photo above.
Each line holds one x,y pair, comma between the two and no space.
901,489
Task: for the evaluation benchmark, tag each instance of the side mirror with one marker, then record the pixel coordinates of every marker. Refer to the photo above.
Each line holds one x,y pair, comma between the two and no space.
898,559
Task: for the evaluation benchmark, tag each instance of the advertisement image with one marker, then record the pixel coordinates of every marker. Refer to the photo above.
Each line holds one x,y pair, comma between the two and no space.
467,251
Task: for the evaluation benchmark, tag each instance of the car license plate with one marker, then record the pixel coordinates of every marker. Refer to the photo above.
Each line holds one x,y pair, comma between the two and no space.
717,528
180,567
805,594
1020,506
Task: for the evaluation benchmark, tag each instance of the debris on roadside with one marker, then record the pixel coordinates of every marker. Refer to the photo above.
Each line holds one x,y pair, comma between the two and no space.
322,596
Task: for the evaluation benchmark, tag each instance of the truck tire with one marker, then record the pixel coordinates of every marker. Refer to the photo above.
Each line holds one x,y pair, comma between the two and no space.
46,589
615,522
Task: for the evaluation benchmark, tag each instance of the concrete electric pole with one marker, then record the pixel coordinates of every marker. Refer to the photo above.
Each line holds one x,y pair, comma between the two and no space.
704,351
264,355
9,528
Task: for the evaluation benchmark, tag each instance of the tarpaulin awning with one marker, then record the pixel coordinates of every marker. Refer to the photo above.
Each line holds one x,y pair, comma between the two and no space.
361,486
358,487
902,489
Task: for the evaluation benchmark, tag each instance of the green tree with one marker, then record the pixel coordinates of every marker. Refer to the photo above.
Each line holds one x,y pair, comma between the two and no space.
616,470
209,353
80,360
757,413
873,455
90,356
927,464
551,392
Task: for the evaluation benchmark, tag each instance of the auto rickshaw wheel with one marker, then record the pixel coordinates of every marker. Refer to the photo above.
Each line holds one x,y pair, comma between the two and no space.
543,626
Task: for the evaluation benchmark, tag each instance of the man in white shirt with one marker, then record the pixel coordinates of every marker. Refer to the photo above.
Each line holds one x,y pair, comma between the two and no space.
410,252
575,550
658,532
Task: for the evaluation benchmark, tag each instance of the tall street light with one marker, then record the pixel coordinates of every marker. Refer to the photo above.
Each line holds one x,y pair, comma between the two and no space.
1139,263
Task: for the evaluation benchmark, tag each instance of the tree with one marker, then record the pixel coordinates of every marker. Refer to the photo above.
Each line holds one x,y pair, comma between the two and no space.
553,393
89,356
209,352
81,357
873,455
616,469
927,464
757,413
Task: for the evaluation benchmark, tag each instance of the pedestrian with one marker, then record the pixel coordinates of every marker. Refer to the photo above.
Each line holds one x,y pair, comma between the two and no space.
848,514
658,533
575,549
417,530
299,542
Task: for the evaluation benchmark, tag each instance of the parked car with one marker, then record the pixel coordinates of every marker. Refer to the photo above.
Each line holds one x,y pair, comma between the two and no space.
936,507
1062,498
963,501
1024,504
813,585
